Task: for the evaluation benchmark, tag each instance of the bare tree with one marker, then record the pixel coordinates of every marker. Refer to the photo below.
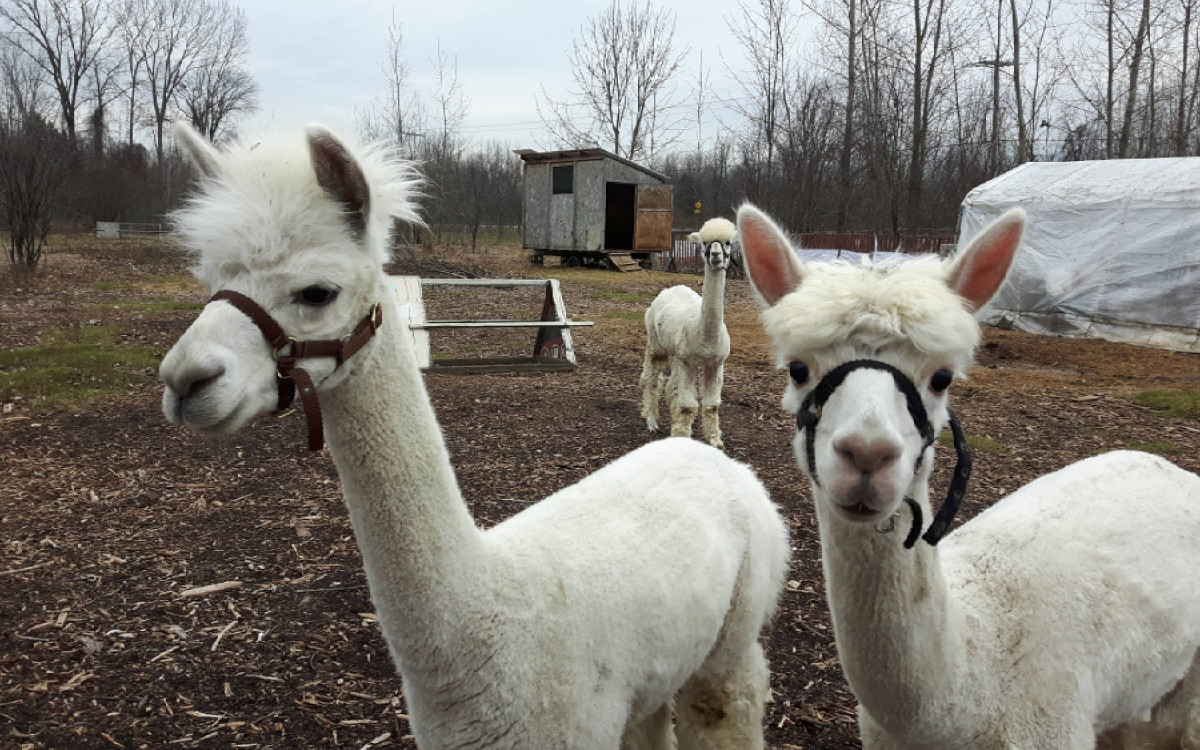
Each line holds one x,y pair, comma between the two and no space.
174,41
1134,67
34,161
450,104
624,64
1022,136
134,15
64,38
34,158
1110,14
22,85
766,32
928,51
847,150
1184,102
220,86
843,21
1036,77
399,115
703,82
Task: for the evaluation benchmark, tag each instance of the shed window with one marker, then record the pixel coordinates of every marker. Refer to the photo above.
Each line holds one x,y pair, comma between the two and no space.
564,179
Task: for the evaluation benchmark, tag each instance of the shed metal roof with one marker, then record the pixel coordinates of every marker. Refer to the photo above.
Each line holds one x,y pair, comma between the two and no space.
583,154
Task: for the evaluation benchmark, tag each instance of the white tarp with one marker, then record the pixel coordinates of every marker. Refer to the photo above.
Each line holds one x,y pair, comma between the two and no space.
1112,249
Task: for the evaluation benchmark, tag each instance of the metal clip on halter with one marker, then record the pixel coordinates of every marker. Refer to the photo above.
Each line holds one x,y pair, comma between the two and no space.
289,376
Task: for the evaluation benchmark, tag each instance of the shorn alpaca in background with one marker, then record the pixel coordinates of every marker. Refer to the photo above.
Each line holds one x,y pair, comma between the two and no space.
573,624
1070,609
685,334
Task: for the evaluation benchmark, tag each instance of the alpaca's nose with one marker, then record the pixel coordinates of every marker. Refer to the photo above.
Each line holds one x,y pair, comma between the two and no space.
192,380
867,455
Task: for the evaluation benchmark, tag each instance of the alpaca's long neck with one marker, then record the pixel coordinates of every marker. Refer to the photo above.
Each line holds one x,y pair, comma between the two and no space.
898,631
418,542
712,304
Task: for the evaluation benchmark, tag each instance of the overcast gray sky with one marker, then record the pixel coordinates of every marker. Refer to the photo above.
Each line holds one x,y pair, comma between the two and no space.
317,61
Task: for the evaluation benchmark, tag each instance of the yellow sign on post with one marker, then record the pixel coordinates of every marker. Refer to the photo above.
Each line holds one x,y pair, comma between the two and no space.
698,206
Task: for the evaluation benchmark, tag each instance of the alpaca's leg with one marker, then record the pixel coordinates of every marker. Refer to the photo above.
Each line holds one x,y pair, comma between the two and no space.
873,736
652,733
681,391
654,370
723,710
710,404
1175,721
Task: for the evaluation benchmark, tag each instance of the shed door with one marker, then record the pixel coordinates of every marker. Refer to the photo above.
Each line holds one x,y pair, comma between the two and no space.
562,207
653,218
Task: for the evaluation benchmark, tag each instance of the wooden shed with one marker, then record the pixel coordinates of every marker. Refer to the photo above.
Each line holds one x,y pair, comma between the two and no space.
590,206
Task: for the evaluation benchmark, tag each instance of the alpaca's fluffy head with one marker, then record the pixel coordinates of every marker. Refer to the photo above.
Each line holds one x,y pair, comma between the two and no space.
714,230
916,316
261,203
715,239
301,224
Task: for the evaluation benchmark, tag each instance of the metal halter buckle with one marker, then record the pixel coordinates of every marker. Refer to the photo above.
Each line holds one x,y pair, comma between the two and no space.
891,524
276,352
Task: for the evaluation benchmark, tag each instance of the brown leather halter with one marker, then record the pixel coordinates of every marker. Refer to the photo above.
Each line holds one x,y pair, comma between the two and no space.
287,350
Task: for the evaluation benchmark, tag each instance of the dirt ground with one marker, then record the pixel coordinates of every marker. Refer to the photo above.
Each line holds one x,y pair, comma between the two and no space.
108,516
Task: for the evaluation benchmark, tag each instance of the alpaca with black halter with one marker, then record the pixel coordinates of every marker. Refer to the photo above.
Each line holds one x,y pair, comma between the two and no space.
1041,623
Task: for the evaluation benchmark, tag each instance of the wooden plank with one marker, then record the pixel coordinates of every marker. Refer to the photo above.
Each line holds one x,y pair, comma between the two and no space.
553,327
500,364
562,221
654,197
652,231
499,323
623,262
498,283
412,307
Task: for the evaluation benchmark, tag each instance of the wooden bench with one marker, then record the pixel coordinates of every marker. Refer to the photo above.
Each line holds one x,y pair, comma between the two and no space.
552,349
115,230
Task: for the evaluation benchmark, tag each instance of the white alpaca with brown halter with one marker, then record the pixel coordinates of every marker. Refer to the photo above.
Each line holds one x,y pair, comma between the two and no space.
573,624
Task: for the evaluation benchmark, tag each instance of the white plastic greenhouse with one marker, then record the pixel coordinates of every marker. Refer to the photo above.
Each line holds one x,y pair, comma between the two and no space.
1112,249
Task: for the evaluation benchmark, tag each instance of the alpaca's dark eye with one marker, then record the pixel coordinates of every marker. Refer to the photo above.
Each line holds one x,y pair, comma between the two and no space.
317,296
798,372
941,380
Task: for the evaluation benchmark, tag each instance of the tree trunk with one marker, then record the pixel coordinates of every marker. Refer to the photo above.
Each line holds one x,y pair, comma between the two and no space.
1151,107
994,151
1108,97
1184,105
1134,63
848,129
916,160
1022,132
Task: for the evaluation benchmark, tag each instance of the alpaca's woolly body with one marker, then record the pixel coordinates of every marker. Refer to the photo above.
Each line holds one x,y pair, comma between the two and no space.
686,335
1067,609
1052,616
572,624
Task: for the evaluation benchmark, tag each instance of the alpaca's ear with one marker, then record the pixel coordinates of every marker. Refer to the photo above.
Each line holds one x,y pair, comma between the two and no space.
199,150
340,176
695,237
771,262
979,269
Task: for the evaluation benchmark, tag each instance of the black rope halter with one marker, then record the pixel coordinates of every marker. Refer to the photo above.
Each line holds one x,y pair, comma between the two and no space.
810,414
